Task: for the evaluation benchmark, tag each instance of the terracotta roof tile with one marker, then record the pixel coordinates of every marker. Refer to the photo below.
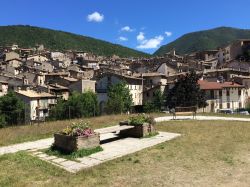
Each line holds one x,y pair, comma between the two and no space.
205,85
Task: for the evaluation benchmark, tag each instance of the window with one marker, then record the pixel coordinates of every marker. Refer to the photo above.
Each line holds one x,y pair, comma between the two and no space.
240,105
228,93
220,93
239,92
228,105
212,94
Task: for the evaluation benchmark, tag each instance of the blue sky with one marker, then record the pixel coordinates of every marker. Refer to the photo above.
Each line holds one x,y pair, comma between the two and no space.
140,24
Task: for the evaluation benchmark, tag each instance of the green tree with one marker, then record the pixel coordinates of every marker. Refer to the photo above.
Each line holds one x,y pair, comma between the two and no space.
12,109
158,100
186,93
2,121
59,111
156,103
78,105
149,107
119,98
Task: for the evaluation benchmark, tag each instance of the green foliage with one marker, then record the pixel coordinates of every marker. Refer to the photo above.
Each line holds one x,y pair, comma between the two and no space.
11,109
2,121
27,36
186,93
52,151
204,40
149,107
78,129
151,134
156,104
79,105
140,119
82,105
119,99
59,112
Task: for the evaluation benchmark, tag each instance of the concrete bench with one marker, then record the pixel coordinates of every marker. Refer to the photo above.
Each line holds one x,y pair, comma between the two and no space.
113,129
184,111
111,133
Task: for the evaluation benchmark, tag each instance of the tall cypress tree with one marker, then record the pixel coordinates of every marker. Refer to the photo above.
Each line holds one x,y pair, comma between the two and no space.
186,93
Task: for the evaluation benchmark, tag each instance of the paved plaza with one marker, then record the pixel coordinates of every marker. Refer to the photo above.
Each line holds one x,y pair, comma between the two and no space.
111,150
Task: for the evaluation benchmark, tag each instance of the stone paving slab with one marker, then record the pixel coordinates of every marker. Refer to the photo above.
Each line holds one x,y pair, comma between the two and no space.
50,158
112,150
42,155
39,144
58,160
111,129
68,163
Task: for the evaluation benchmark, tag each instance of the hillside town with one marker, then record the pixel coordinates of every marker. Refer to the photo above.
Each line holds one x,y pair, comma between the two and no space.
40,77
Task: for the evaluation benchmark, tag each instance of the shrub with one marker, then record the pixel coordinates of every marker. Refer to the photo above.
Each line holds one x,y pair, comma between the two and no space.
140,119
78,129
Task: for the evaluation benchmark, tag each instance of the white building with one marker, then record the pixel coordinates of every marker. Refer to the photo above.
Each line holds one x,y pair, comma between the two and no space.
3,88
38,58
134,84
224,95
37,104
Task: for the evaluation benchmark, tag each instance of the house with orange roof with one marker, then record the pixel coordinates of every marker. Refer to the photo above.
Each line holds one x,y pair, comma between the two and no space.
223,95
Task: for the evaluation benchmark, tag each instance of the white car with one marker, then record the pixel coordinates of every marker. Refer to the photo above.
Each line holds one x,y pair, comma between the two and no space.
244,113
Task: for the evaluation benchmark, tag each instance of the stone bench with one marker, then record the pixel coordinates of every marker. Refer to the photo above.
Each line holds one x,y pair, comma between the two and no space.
184,111
113,129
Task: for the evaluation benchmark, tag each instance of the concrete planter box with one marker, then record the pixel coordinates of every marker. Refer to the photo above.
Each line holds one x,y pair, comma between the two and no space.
73,143
138,131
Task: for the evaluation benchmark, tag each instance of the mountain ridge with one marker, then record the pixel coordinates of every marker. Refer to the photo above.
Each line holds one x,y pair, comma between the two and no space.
29,36
204,40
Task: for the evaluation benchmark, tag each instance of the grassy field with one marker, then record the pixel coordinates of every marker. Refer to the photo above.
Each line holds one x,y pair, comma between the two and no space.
208,153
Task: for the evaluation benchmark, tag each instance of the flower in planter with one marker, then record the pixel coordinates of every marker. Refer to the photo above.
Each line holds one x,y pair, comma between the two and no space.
140,119
78,129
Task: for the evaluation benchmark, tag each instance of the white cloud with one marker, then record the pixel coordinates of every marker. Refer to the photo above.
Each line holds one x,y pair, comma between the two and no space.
151,43
123,39
140,36
127,29
95,17
168,33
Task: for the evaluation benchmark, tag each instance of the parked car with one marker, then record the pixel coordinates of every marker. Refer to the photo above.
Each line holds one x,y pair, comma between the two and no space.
244,112
225,111
241,111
